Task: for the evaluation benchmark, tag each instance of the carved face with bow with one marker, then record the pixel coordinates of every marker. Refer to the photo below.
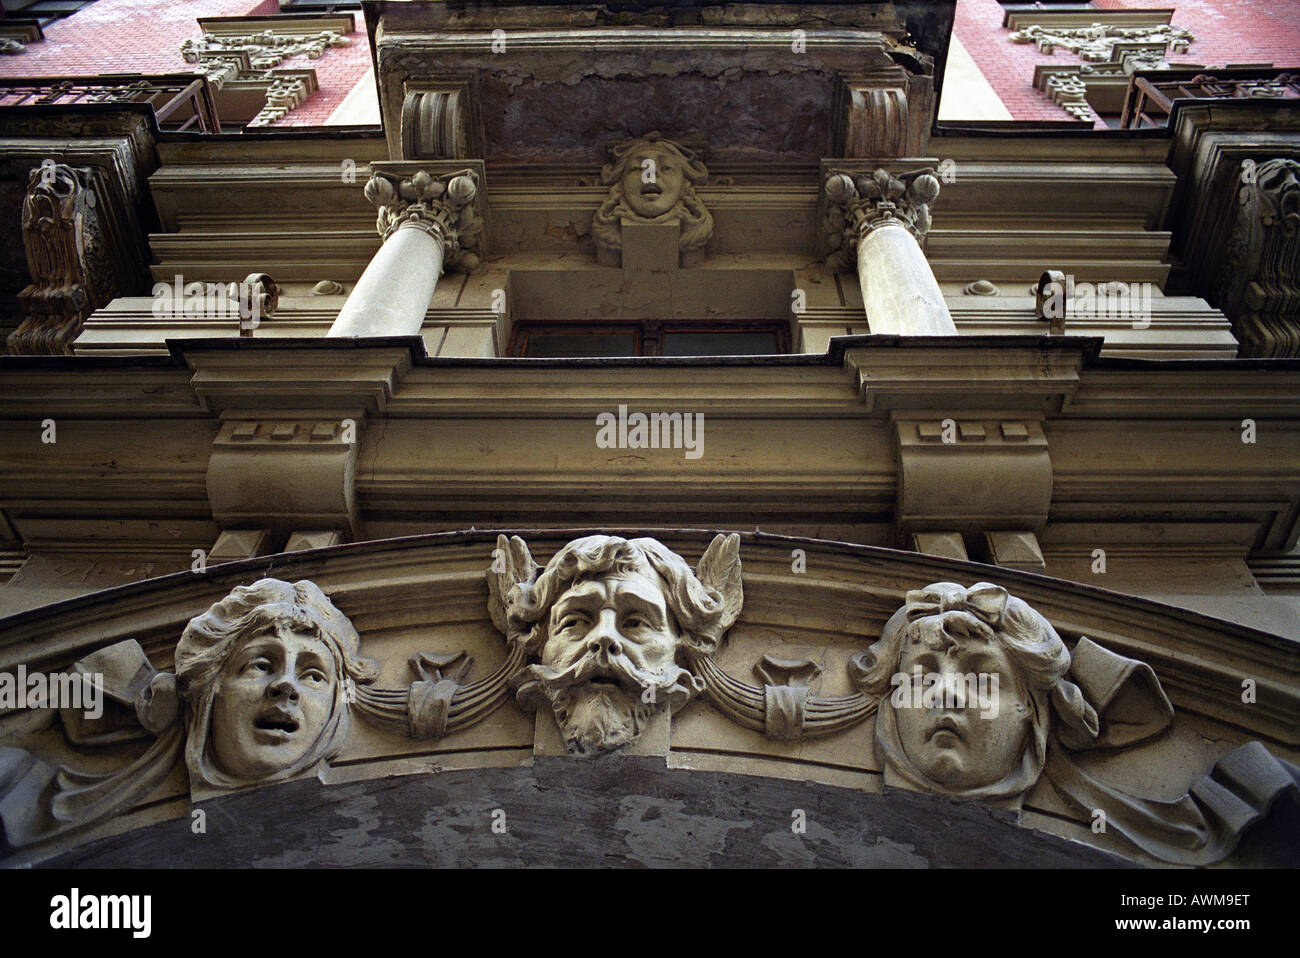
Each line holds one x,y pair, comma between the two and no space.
607,619
989,665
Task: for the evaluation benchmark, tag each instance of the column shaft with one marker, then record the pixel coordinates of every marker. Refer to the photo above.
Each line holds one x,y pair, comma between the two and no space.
394,292
899,290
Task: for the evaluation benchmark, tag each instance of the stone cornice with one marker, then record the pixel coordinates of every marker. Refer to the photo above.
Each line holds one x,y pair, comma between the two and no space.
235,375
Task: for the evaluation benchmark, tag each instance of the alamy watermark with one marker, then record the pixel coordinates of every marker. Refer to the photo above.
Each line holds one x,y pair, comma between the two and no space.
949,690
76,911
656,430
62,690
217,301
1129,302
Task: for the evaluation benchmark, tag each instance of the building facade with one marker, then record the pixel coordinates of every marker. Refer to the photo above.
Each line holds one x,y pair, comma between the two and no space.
818,434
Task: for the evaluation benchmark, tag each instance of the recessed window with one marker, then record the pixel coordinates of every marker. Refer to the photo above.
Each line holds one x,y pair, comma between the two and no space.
648,338
45,12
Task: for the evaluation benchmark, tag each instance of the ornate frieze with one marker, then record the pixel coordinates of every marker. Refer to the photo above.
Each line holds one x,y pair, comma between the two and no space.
285,91
66,255
1096,43
972,694
225,57
265,49
858,203
652,180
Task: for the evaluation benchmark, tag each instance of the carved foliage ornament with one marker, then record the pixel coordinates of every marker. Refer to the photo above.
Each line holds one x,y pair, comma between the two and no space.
609,633
441,204
857,203
1097,42
652,180
265,50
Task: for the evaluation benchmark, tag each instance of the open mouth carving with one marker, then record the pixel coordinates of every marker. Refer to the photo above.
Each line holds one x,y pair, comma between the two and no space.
651,189
276,722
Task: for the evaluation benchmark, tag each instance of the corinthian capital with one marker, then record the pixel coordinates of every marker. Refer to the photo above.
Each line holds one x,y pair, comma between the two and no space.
440,204
858,203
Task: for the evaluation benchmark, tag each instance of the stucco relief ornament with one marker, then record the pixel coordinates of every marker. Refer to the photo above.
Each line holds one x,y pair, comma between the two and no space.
266,676
607,621
652,180
66,256
1049,704
1257,281
261,693
1097,42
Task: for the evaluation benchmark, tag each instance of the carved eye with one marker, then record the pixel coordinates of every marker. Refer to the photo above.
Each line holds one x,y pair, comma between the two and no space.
258,666
315,676
571,621
633,622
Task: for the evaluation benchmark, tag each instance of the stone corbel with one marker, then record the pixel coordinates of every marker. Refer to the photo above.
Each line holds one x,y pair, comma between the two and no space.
883,116
284,458
1258,284
969,475
67,256
286,474
440,121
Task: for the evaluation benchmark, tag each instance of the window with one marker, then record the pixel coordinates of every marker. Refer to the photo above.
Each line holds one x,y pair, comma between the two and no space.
45,12
648,338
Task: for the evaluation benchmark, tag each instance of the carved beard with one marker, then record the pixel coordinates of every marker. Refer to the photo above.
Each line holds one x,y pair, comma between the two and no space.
597,718
600,716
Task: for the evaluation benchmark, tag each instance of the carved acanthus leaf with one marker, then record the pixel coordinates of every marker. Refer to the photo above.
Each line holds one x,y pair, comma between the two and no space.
858,202
441,204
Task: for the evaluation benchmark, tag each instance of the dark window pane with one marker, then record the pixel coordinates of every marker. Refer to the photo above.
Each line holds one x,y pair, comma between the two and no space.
542,344
748,343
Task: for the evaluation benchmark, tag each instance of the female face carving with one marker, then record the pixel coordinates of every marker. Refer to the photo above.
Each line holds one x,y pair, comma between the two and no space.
274,697
974,730
653,182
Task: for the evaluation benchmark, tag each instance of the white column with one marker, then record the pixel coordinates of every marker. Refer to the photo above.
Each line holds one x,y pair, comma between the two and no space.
899,290
394,292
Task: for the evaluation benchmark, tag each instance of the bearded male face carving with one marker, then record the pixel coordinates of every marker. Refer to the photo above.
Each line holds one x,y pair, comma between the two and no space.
607,620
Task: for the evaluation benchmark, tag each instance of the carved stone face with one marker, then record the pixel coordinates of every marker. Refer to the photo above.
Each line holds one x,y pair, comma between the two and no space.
968,743
651,194
273,701
609,641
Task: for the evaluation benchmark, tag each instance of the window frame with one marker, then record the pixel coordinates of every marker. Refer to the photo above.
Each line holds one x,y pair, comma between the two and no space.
649,333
